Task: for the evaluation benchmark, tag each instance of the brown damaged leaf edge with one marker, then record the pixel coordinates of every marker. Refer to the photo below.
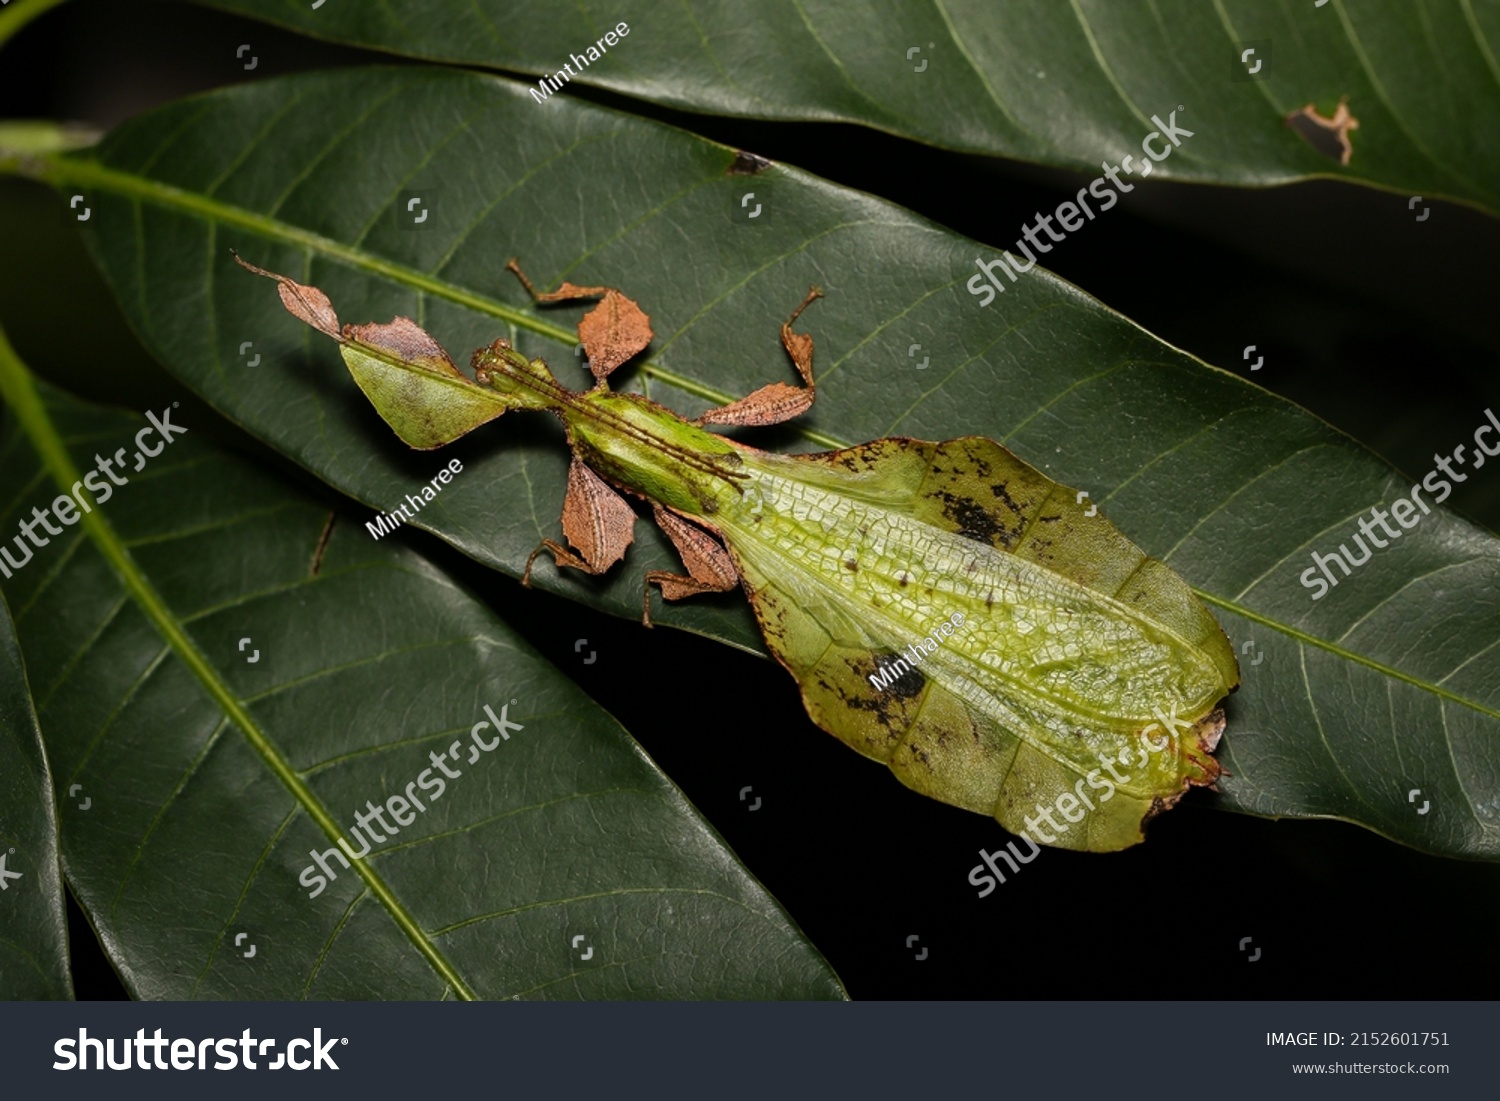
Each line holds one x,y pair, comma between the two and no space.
747,164
1328,135
946,608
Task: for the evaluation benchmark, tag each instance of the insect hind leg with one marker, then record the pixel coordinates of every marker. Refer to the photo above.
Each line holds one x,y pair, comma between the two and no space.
710,569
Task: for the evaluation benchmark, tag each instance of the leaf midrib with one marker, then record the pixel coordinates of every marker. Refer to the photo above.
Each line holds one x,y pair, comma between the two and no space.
78,170
71,170
1348,655
19,392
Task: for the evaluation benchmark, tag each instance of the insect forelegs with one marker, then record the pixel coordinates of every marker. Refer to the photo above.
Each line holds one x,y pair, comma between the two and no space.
612,332
710,569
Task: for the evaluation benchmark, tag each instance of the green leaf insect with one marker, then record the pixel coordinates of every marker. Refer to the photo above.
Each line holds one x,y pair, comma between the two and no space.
946,608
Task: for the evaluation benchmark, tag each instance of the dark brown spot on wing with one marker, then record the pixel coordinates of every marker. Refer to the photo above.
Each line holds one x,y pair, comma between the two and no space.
973,521
907,685
1002,491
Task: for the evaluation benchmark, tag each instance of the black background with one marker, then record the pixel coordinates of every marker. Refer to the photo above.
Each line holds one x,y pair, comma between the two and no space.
1383,326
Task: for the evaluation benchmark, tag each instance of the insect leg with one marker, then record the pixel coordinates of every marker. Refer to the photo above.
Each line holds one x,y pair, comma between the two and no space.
777,401
595,519
710,569
612,332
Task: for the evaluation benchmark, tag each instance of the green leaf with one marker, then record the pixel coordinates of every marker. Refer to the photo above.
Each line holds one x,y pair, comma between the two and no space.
1390,683
33,919
228,713
1063,84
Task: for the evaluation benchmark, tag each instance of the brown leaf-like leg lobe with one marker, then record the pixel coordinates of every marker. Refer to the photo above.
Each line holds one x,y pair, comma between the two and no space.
407,341
777,401
303,302
710,569
596,520
612,332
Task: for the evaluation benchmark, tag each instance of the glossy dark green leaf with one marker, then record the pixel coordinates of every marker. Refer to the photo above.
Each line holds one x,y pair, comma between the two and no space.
227,713
33,922
1388,685
1069,84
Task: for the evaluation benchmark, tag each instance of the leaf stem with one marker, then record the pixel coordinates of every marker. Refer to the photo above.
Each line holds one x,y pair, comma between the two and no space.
18,14
25,144
18,390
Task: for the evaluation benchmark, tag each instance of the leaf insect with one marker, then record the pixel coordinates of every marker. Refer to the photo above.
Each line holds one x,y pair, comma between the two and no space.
946,608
